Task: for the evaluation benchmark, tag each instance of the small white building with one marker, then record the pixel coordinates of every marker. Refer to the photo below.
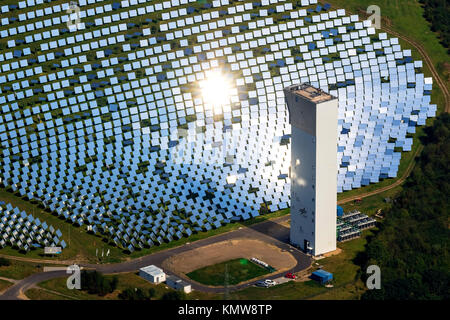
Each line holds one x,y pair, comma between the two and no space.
153,274
178,284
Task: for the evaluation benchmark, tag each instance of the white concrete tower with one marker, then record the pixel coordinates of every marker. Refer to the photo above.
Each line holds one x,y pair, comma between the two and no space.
313,115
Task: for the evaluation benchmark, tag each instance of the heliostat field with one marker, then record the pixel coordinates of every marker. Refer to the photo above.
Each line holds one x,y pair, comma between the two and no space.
147,120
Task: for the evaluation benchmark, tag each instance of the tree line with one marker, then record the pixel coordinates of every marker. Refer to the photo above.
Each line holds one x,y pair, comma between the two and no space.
437,12
412,245
96,283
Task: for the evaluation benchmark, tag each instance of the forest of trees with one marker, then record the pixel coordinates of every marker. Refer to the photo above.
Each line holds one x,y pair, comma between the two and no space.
4,262
437,12
412,245
96,283
141,294
137,294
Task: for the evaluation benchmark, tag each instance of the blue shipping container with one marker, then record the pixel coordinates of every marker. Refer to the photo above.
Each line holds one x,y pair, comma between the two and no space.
340,211
322,276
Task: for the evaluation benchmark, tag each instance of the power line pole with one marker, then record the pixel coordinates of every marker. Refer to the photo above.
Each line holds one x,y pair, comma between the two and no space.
226,294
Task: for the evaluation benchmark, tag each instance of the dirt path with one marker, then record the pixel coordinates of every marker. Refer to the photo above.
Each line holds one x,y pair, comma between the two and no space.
34,260
9,279
52,292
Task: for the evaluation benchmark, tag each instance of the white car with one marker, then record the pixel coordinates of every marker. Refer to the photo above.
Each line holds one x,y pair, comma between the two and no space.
262,284
270,282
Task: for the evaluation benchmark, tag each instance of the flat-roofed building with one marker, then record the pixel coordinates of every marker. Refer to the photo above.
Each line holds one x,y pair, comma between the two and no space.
153,274
178,284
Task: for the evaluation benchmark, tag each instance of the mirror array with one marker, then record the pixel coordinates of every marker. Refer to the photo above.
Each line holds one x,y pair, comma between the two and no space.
24,232
103,120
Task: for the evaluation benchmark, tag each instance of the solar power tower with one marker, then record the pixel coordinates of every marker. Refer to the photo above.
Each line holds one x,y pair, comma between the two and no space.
313,115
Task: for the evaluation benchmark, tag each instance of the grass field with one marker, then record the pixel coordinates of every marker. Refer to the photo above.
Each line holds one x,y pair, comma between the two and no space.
229,272
126,280
40,294
19,270
347,283
4,284
371,204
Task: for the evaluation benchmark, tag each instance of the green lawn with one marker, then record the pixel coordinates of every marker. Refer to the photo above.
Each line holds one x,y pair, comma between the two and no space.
371,204
352,291
347,285
19,270
4,284
39,294
229,272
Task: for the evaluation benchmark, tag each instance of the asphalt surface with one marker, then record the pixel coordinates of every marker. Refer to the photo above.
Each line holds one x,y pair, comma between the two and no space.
269,231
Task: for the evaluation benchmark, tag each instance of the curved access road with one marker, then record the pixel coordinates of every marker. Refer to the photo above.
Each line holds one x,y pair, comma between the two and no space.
269,231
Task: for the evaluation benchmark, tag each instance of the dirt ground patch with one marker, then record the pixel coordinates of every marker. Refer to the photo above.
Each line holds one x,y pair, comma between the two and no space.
332,253
227,250
286,223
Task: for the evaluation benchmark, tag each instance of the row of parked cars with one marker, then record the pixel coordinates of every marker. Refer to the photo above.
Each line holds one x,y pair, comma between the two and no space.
269,283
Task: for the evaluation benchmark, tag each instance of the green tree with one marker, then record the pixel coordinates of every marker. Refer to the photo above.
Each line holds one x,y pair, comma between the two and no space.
412,246
152,292
174,295
4,262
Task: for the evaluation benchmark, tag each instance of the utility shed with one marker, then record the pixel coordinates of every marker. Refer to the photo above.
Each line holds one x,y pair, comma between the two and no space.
322,276
178,284
340,211
153,274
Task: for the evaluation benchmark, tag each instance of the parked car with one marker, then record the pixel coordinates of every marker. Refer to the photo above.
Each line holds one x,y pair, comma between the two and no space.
290,275
270,282
262,283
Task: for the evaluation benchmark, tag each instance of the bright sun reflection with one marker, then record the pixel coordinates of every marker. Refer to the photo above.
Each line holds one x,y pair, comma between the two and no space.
216,89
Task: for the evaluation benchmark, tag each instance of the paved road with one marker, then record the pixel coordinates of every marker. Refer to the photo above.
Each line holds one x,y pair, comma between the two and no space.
269,231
